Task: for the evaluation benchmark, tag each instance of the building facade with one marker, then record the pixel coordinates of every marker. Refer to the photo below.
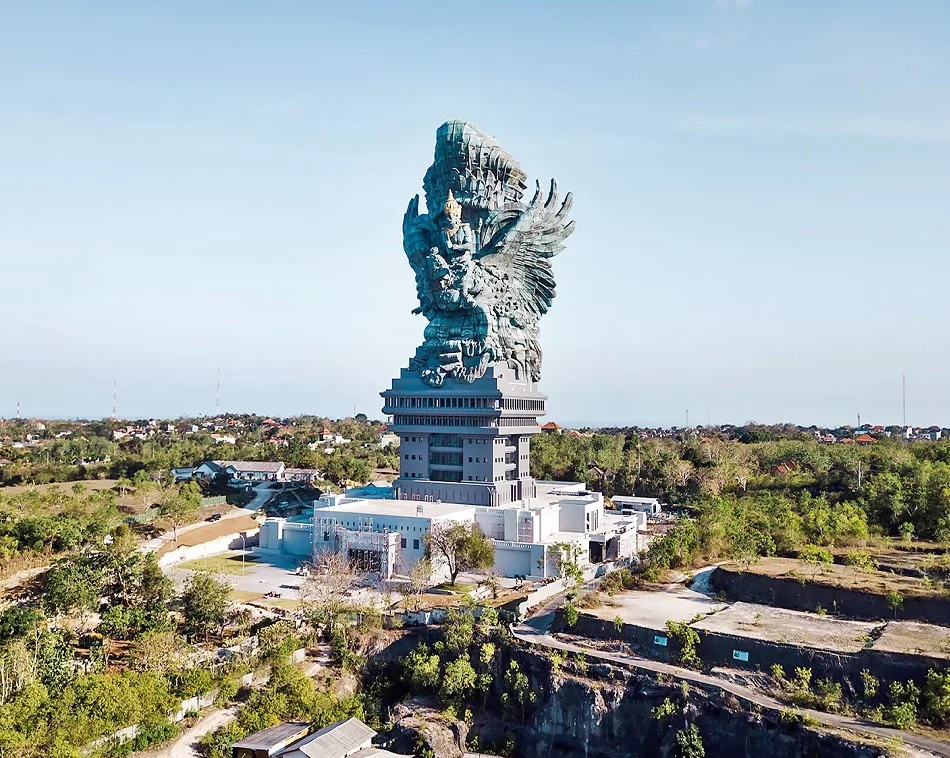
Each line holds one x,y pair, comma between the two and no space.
465,443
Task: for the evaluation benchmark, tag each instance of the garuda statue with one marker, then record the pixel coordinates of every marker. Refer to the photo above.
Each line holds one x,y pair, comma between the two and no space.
482,259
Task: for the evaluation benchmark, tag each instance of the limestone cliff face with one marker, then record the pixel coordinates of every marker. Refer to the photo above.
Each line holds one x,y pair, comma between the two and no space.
602,711
607,713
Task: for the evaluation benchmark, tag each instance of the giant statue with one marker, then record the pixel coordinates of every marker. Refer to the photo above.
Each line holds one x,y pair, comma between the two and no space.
482,259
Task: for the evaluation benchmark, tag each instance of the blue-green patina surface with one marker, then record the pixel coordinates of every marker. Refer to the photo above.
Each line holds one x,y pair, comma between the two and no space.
482,259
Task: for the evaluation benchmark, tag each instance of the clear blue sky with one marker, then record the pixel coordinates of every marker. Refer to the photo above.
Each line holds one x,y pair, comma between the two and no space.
760,188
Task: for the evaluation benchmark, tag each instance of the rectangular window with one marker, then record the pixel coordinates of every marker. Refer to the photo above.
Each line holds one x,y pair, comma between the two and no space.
415,544
402,543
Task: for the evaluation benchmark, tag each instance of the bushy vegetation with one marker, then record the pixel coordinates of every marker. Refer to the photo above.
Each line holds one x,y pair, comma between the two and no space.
288,695
880,487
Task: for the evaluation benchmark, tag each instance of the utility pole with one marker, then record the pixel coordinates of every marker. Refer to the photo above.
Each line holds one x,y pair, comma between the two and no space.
859,473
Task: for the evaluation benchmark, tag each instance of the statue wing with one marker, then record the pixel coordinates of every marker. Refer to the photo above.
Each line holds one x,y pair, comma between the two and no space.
521,242
418,235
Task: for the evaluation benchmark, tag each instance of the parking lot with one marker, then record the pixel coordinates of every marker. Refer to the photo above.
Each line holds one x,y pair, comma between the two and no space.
268,579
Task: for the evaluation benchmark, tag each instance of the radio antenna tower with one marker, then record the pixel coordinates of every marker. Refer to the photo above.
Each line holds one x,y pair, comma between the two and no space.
115,399
217,397
904,398
17,410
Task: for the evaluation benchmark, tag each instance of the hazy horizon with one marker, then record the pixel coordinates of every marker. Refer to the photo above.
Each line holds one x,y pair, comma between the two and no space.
759,189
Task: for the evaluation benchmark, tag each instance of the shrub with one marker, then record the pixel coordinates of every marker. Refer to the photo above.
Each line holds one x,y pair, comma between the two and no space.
689,642
869,684
935,697
904,699
664,709
689,743
569,613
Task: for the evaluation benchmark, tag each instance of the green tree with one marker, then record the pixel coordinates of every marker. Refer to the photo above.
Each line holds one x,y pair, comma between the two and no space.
204,604
895,601
181,507
566,556
816,557
72,584
421,668
461,547
518,692
458,679
935,697
458,628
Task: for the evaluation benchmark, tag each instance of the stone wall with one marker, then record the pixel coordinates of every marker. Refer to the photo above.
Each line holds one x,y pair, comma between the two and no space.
786,592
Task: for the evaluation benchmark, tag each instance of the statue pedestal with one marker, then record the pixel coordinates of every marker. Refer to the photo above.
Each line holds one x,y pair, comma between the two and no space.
465,443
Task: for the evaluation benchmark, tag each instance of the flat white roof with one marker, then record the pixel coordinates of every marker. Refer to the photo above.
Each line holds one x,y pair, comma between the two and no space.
400,508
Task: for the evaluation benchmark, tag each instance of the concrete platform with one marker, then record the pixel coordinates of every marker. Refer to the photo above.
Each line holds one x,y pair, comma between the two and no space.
914,638
652,609
790,627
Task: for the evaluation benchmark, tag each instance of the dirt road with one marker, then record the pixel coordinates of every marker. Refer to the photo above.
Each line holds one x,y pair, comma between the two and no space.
184,746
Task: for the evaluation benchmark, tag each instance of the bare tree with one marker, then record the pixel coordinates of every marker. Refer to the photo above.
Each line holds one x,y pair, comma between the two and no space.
420,579
326,591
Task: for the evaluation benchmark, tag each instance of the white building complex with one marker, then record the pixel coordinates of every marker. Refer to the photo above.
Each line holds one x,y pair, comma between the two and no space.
388,536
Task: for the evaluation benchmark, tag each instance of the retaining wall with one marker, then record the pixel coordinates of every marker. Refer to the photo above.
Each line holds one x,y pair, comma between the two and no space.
719,649
786,592
212,547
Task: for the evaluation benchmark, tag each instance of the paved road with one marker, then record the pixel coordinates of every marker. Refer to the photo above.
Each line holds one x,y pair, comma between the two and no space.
184,746
535,631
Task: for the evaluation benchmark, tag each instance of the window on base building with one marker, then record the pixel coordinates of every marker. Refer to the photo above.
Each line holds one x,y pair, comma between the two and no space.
402,543
415,544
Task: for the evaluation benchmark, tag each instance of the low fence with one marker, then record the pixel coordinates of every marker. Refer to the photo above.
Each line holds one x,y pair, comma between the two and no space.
547,591
189,705
141,518
214,500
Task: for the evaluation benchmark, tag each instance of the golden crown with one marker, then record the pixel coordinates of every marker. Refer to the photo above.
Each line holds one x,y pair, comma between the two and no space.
452,206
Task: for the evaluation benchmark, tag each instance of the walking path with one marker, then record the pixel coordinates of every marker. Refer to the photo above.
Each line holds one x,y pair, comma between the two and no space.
535,632
184,746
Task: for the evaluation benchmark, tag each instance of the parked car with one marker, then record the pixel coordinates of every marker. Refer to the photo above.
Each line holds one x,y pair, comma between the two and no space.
214,517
